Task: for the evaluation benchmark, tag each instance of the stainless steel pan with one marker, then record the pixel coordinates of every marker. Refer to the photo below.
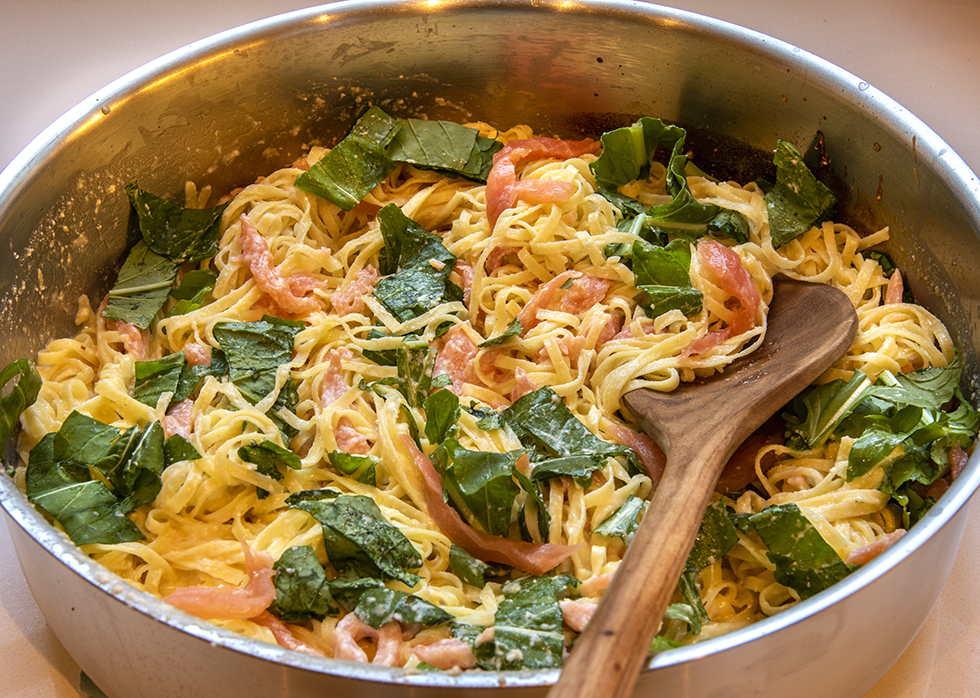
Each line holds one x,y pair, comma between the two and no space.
248,100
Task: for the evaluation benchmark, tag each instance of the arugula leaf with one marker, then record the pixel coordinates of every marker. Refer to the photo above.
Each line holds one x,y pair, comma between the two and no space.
484,651
358,538
389,357
407,244
663,273
356,165
323,494
87,509
361,468
60,482
156,377
413,292
686,613
182,234
514,329
626,156
346,591
366,155
376,607
88,442
131,460
798,201
480,484
268,458
623,522
716,536
469,569
661,299
627,152
535,509
192,291
141,287
302,589
176,448
171,235
22,395
193,375
898,422
138,478
445,146
730,224
441,414
816,412
557,442
662,644
880,438
929,388
912,444
666,265
804,560
487,418
695,613
416,267
414,381
255,350
528,624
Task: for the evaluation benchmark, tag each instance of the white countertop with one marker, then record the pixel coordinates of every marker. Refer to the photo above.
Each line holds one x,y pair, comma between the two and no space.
923,53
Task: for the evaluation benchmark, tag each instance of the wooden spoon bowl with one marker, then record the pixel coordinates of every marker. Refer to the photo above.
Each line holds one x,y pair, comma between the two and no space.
699,425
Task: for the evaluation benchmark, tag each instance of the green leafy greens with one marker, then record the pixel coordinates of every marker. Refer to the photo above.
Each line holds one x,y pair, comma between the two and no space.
181,234
192,291
799,200
170,236
128,463
416,267
557,442
469,569
359,539
804,560
269,458
377,141
141,287
302,589
480,484
901,422
304,592
445,146
623,522
528,623
663,273
356,165
527,626
254,352
626,156
361,468
153,379
22,395
382,605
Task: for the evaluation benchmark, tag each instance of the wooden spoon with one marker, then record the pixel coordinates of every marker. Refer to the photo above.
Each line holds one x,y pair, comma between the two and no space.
699,425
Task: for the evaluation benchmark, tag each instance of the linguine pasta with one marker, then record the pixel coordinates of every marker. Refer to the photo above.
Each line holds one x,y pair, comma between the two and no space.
586,333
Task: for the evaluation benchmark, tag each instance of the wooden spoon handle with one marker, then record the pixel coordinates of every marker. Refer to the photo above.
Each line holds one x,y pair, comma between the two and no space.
607,657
